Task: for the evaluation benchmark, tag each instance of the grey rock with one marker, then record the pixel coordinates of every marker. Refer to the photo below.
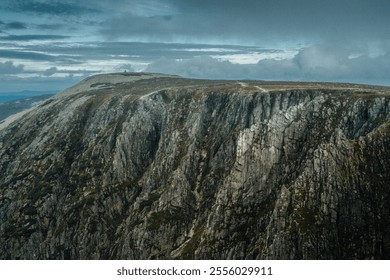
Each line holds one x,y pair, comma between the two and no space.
149,166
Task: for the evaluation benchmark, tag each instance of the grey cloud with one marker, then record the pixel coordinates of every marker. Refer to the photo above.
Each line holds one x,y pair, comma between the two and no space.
156,28
36,56
26,55
171,28
16,25
71,73
199,67
50,26
139,51
9,67
332,64
32,37
257,21
61,8
50,72
310,64
247,22
13,25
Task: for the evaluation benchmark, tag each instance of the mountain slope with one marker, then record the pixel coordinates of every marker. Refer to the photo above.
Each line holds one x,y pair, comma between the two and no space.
147,166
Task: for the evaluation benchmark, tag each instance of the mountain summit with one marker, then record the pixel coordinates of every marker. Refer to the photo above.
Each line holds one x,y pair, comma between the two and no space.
150,166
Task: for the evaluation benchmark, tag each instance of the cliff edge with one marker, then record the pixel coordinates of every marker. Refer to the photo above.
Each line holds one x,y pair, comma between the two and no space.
149,166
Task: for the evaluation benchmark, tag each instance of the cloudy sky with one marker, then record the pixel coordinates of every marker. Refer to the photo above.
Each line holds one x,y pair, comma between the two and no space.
49,45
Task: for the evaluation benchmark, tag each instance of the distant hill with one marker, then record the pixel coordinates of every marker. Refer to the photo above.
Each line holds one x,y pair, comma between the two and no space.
10,106
10,96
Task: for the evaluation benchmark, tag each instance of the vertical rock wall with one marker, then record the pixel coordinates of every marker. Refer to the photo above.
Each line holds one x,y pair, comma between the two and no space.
173,168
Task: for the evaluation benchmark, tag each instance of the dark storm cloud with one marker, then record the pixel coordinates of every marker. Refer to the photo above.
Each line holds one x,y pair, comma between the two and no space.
60,8
257,21
13,25
229,21
221,21
32,37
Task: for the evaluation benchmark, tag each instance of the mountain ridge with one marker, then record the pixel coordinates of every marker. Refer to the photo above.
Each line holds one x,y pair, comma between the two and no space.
165,167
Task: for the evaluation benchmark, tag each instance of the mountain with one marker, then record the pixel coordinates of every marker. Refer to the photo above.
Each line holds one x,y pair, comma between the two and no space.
11,107
151,166
25,94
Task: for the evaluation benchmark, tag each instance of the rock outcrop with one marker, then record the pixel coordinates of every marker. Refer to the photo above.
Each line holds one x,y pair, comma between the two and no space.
146,166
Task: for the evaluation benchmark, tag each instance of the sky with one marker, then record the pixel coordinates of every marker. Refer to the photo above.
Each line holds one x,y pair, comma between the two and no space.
50,45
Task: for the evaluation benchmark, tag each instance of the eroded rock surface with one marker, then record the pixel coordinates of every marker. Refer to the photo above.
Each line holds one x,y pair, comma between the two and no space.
162,167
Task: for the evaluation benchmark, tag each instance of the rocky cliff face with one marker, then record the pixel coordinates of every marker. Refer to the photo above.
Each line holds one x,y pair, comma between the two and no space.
144,166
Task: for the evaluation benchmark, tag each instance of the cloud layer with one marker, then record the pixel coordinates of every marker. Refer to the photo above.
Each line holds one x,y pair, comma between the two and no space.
255,21
315,63
46,42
